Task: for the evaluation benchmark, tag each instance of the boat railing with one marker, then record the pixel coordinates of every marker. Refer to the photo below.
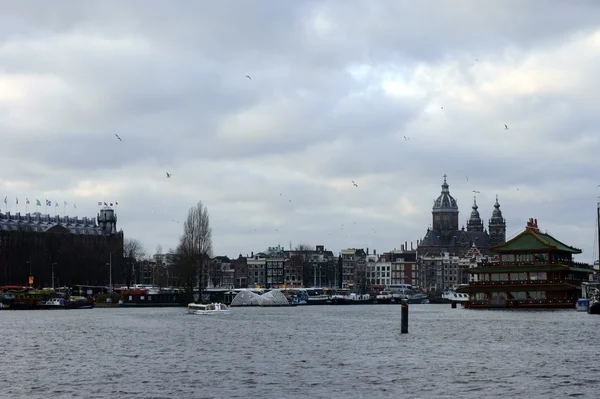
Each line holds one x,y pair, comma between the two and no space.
521,282
526,301
568,263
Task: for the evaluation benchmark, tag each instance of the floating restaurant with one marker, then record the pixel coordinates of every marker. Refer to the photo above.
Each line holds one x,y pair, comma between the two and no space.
532,270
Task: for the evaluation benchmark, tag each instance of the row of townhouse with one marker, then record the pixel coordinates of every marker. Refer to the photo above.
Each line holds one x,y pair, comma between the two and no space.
353,268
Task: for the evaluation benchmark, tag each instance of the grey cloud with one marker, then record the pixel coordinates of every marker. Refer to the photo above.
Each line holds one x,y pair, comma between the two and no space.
174,81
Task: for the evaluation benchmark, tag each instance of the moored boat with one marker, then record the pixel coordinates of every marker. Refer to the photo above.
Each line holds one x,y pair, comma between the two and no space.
594,304
384,297
352,299
208,309
79,302
53,303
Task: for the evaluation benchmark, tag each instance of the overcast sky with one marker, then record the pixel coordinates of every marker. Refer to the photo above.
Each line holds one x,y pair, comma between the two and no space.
335,87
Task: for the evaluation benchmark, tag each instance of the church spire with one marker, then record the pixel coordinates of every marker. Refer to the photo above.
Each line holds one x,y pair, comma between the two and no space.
475,223
497,225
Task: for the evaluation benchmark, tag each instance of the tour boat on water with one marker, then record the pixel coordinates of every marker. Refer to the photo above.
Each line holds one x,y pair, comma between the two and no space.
208,309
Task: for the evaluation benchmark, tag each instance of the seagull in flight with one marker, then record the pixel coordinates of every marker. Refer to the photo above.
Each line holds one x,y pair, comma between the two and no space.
118,137
476,192
406,138
354,184
505,127
248,76
168,175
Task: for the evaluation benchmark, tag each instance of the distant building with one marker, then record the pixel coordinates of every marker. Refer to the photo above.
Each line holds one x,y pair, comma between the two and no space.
444,244
320,268
445,235
79,251
534,270
405,269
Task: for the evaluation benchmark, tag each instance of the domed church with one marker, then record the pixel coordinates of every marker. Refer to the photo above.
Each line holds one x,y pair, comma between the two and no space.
445,235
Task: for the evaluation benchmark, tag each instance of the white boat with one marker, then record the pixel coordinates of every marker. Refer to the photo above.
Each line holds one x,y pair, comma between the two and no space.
455,296
53,303
208,309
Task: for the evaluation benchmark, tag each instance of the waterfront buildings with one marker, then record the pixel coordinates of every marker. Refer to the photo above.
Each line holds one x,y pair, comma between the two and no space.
534,270
45,250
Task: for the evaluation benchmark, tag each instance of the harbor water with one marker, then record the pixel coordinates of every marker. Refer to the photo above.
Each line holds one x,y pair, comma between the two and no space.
304,351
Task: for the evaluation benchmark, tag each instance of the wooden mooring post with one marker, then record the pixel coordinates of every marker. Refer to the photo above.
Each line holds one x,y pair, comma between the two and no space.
453,304
404,318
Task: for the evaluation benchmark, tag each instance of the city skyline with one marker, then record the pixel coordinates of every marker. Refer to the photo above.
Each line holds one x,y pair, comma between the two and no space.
312,122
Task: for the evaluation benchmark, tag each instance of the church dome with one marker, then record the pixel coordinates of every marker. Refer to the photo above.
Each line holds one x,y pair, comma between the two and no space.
445,202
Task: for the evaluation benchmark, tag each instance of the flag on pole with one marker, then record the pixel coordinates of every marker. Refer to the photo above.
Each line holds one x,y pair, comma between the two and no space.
38,203
6,200
74,206
17,201
105,204
48,203
99,203
116,203
111,204
55,204
27,201
66,203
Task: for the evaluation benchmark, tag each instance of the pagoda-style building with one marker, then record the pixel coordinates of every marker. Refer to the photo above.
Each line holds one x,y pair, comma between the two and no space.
534,270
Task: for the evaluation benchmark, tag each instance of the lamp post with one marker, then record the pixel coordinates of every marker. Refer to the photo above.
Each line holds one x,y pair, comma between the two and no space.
110,272
53,263
29,279
109,264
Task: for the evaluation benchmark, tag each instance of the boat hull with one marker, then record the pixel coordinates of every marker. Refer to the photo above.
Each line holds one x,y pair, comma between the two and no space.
594,308
209,312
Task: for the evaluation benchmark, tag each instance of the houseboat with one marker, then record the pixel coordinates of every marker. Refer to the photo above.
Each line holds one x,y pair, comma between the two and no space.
534,270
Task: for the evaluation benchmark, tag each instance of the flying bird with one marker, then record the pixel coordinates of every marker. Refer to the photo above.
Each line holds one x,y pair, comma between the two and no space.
405,138
354,184
442,107
505,127
476,192
467,178
118,137
168,175
248,77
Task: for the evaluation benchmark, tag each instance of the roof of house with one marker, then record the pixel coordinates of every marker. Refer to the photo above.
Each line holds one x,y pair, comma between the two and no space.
40,223
532,240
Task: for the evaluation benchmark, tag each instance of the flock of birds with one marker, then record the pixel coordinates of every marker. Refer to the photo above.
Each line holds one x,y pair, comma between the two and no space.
354,184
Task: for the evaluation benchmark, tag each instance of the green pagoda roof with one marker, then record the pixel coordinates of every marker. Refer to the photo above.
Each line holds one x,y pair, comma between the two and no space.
531,239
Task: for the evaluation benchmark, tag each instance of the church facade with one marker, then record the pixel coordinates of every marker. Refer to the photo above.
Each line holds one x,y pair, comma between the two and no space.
445,236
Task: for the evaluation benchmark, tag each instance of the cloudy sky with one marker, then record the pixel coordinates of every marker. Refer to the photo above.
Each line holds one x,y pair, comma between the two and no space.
335,87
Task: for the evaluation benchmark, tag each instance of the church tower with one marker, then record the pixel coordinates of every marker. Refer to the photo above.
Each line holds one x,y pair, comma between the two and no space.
475,223
497,226
445,211
107,220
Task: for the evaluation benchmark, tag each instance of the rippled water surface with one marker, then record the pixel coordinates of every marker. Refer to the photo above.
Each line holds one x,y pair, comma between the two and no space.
312,352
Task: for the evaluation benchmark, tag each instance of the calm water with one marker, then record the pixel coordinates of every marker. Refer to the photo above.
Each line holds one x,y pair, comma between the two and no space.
312,352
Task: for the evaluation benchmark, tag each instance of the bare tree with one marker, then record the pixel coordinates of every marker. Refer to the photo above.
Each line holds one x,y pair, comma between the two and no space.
133,248
133,253
195,247
304,248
